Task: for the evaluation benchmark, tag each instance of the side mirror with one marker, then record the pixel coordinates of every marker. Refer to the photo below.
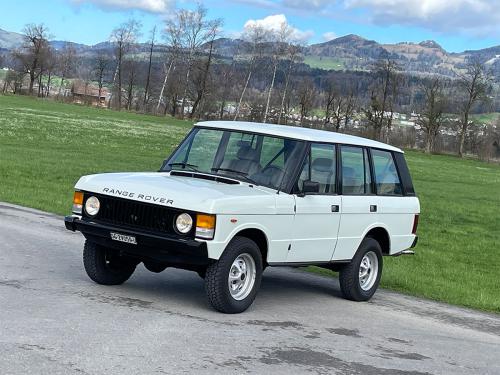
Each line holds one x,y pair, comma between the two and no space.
310,187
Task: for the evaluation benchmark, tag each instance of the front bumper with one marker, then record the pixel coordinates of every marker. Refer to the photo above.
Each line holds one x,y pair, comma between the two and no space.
174,251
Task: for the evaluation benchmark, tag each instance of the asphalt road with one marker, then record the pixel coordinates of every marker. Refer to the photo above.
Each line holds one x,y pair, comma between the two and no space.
54,320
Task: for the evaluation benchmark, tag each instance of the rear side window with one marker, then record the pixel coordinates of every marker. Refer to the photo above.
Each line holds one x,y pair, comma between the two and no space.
404,173
356,178
386,175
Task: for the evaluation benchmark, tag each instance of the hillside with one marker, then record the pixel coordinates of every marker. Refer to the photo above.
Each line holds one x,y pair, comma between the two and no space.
9,40
349,52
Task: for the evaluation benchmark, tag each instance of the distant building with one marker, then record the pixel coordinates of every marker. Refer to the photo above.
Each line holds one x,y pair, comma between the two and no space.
86,93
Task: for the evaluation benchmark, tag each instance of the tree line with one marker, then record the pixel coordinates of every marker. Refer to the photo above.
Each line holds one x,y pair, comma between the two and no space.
180,72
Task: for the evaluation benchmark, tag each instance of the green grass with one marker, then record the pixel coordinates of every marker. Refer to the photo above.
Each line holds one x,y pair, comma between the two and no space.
486,118
46,146
325,63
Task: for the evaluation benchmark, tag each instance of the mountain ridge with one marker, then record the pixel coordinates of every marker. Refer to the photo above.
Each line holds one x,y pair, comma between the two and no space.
348,52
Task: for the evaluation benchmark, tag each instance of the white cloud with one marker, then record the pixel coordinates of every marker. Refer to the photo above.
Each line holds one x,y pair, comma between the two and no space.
152,6
307,4
274,24
330,35
476,16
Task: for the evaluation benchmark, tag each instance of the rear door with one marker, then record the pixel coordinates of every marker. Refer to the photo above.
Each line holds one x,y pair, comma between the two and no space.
317,215
397,203
359,203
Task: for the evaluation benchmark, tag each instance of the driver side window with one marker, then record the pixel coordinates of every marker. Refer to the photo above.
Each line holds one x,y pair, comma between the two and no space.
319,166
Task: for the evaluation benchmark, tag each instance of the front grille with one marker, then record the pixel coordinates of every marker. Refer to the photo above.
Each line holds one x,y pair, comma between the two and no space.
137,215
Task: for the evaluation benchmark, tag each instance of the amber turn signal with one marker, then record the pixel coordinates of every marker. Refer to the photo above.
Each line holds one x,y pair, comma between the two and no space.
205,226
77,202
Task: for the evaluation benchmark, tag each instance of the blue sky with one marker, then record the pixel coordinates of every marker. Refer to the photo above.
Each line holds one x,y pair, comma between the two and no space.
455,24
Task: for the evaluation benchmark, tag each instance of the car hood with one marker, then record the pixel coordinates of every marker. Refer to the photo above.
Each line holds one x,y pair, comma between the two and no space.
183,192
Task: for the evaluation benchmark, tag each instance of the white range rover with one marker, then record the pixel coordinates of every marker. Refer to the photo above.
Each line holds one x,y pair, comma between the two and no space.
236,197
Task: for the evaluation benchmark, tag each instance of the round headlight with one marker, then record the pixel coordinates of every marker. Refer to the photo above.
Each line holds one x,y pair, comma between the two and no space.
92,206
184,223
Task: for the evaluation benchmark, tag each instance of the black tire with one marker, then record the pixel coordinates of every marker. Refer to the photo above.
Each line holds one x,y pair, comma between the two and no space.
216,278
155,267
106,266
202,272
349,274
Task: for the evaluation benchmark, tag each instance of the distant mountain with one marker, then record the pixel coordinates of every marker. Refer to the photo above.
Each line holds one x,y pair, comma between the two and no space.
353,52
349,52
60,44
347,47
10,40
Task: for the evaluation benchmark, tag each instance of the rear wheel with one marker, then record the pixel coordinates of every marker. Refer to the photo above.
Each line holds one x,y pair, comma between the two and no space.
232,282
360,278
105,266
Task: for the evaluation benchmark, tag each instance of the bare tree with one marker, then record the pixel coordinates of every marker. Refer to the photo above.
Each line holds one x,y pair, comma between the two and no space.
227,75
305,96
201,88
32,51
47,65
130,68
148,75
123,39
332,96
196,30
173,34
431,116
475,83
67,64
13,81
280,42
50,67
101,65
380,112
339,108
256,35
293,50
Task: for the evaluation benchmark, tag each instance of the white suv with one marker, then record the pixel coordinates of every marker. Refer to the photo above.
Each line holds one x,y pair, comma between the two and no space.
236,197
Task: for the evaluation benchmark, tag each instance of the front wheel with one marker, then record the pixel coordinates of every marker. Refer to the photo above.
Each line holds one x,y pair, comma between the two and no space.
360,278
105,266
232,282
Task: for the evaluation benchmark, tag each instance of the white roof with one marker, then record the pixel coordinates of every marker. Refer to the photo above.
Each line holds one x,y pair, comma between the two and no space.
295,132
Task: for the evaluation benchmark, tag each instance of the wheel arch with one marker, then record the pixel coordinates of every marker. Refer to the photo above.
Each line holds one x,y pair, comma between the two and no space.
259,237
381,235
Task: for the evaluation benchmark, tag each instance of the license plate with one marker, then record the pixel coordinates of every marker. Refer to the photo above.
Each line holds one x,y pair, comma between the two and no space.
123,238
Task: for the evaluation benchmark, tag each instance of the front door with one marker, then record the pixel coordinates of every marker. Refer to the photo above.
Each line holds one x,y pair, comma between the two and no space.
317,215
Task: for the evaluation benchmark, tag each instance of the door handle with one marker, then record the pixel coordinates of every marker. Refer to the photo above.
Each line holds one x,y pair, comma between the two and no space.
335,208
373,208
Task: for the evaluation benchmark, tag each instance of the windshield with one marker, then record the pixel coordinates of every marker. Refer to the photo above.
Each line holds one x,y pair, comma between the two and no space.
253,158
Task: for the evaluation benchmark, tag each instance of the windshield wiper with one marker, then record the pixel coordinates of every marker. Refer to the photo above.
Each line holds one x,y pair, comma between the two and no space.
244,175
191,167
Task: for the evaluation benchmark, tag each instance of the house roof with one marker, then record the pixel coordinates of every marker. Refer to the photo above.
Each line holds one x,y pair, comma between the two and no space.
80,88
295,132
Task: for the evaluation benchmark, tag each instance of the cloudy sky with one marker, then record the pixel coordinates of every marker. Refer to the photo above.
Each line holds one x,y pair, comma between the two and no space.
456,24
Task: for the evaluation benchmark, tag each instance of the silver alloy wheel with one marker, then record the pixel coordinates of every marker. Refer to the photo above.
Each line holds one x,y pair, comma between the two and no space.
242,276
368,270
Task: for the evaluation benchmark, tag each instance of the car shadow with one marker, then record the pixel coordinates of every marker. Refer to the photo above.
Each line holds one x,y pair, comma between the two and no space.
178,287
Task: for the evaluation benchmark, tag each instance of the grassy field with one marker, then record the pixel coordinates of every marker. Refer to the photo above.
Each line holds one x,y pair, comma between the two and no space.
325,63
46,146
487,118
